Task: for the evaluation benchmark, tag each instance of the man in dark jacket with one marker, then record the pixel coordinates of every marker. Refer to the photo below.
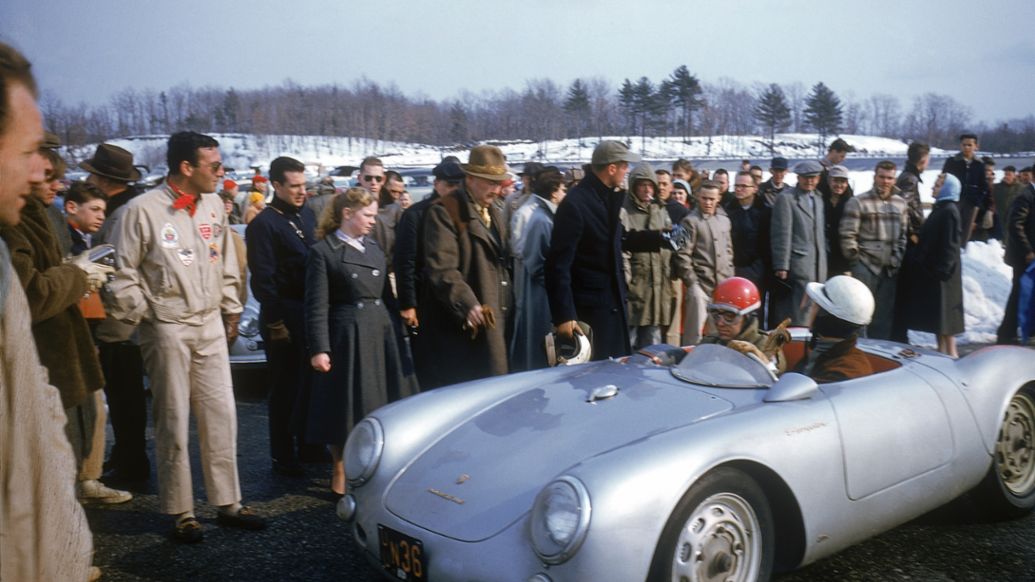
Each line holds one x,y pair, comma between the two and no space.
111,170
749,224
975,197
278,241
584,275
465,293
908,183
771,188
1020,252
836,153
408,257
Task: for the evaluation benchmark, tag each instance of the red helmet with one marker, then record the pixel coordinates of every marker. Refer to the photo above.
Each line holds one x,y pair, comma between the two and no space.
736,294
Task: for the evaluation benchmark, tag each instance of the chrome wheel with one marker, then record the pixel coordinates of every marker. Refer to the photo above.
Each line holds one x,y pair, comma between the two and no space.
720,541
1015,450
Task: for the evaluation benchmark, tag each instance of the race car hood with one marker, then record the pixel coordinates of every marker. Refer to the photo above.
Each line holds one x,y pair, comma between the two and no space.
484,474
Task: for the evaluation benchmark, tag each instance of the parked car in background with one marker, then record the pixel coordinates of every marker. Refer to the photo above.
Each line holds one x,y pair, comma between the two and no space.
248,352
673,466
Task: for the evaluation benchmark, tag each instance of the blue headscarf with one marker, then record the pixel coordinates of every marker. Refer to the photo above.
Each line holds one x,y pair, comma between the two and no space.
950,189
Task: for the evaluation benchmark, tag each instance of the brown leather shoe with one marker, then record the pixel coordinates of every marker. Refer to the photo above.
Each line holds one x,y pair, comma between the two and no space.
245,518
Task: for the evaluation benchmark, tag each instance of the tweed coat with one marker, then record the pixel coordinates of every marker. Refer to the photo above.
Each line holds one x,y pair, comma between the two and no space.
799,245
465,264
53,290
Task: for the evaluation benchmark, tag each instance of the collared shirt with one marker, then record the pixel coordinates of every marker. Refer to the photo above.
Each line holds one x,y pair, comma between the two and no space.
356,243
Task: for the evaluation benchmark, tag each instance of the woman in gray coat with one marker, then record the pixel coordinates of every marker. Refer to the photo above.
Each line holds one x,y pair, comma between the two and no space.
351,339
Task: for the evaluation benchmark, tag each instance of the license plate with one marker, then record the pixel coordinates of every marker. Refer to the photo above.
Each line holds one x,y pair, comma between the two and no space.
401,555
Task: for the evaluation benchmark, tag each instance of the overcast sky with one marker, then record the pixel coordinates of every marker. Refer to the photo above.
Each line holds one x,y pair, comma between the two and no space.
981,54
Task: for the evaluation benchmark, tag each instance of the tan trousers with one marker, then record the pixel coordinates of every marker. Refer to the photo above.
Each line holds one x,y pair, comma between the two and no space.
85,430
190,371
672,333
695,323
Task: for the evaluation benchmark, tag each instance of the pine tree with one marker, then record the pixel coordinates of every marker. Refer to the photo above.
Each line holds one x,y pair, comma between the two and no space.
823,112
645,105
577,105
685,92
627,104
773,113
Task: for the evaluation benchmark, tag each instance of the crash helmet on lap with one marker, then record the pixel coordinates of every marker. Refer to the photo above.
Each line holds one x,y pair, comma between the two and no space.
736,294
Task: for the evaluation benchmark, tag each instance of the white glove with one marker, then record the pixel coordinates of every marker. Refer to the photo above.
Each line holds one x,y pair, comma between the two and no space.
96,273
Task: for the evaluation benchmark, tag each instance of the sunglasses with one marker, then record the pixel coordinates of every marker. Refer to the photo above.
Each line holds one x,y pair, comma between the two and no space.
214,166
721,315
373,178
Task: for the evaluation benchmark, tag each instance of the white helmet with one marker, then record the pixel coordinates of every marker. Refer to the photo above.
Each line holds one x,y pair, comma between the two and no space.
561,352
845,298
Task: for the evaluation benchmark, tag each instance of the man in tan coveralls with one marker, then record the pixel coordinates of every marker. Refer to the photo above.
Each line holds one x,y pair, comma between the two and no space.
178,280
43,530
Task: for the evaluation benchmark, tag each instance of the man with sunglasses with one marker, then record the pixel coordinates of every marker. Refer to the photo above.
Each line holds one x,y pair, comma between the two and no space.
178,281
372,175
732,313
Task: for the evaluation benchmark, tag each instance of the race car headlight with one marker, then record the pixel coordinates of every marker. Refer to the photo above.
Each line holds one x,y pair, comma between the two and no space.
560,519
363,451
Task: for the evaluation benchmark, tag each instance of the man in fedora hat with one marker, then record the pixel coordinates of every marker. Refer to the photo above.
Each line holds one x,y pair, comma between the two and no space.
112,172
585,278
465,295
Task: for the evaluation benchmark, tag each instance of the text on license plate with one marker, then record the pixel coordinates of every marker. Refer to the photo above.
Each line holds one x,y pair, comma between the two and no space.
401,555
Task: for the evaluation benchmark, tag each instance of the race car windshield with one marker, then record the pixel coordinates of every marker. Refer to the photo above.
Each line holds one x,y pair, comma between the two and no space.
719,366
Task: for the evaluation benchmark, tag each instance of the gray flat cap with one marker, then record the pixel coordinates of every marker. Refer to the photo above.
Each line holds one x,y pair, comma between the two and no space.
838,171
611,152
808,168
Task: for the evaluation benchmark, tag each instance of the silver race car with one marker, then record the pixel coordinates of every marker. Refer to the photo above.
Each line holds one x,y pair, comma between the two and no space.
670,467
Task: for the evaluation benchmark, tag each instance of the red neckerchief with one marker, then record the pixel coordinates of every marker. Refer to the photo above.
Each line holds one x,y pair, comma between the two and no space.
185,201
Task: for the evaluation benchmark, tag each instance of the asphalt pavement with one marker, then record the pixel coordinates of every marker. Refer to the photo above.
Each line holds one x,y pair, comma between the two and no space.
305,540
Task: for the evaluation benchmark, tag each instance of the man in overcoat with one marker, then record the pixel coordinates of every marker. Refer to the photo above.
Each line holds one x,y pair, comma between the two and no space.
798,242
584,275
1020,252
465,292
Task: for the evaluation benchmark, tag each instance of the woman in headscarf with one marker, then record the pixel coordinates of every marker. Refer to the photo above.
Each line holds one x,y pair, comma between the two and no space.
937,302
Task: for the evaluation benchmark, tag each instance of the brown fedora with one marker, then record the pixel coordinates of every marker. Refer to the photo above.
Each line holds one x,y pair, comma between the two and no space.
112,162
488,162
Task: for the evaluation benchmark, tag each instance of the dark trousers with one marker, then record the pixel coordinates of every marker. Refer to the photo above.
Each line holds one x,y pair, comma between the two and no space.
123,369
1007,332
289,377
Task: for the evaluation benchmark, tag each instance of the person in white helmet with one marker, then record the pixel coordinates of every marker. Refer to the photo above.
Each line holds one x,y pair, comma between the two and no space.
845,305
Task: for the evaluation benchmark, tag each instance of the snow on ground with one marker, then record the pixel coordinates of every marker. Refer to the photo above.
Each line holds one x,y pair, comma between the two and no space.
986,286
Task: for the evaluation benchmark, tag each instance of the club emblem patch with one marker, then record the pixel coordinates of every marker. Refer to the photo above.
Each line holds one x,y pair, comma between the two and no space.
206,231
186,257
169,238
217,230
213,253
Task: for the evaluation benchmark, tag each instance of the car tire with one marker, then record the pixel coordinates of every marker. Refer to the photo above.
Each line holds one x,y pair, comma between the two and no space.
722,529
1008,489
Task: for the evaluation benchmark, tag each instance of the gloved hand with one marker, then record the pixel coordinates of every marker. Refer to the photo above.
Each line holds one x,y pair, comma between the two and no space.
748,349
777,338
279,332
96,273
230,323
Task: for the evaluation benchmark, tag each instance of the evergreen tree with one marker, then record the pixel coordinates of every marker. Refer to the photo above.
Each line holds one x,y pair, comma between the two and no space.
773,113
458,130
823,112
685,93
627,104
577,105
645,106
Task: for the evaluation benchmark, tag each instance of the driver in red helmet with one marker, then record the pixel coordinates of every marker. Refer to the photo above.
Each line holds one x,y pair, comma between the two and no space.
732,311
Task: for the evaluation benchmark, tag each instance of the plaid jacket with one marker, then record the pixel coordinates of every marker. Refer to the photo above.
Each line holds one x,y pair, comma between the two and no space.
873,231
